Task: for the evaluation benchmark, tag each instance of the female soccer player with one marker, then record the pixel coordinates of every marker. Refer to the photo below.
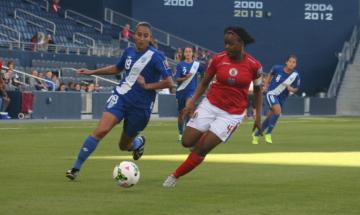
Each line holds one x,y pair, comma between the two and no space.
222,110
132,100
186,77
283,80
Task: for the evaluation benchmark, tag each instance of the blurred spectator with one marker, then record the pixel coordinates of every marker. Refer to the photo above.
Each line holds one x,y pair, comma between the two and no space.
178,55
4,98
49,43
71,86
12,80
55,78
83,87
91,88
36,83
62,87
125,33
77,87
49,77
33,42
55,6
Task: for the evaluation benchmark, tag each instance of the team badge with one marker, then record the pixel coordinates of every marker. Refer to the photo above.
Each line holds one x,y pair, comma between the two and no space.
233,72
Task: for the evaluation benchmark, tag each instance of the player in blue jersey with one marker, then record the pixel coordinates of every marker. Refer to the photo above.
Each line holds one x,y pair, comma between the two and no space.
278,84
132,100
187,78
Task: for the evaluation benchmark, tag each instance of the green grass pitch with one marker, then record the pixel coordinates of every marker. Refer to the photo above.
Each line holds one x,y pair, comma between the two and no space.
316,171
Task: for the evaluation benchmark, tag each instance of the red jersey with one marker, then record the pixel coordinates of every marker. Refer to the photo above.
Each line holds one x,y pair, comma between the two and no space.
229,92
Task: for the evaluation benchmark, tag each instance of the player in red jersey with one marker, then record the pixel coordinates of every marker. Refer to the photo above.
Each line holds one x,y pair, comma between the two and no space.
220,113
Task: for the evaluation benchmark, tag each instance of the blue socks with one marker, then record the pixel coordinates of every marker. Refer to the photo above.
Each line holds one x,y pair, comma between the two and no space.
138,141
272,123
181,127
88,147
264,126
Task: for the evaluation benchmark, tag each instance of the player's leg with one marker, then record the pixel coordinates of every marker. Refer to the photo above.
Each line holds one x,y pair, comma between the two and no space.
181,123
207,142
276,112
106,123
112,115
135,121
220,130
264,126
271,100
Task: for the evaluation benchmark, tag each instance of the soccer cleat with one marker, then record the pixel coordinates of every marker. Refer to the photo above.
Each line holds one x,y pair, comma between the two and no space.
268,138
170,181
137,153
179,139
255,139
72,173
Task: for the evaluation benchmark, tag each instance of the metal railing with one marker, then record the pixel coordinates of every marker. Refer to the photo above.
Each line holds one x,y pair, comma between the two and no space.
118,19
96,77
35,20
344,57
6,32
84,20
24,75
83,39
42,3
77,49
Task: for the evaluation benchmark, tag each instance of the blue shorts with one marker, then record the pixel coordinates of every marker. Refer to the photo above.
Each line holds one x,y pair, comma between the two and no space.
135,119
181,99
272,100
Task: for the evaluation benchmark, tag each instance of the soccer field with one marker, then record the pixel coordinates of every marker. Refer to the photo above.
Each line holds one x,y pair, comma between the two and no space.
313,167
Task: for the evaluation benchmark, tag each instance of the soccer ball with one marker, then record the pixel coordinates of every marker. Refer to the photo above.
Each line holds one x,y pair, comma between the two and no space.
126,174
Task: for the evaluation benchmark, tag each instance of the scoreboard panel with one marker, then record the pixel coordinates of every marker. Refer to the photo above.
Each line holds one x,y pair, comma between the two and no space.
314,30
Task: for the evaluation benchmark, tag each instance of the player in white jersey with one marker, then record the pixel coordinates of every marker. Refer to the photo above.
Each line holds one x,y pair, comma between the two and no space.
279,83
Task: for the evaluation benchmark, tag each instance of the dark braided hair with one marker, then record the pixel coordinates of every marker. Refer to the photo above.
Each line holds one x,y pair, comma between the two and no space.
241,33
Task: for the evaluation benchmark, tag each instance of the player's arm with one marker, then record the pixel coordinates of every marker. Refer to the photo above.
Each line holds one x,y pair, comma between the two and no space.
201,88
108,70
179,80
266,80
165,83
161,66
295,86
292,89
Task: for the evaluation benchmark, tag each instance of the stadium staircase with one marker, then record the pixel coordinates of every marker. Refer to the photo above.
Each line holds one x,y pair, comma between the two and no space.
348,101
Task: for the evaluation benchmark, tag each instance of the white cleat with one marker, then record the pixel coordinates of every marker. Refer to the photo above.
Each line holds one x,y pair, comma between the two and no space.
170,181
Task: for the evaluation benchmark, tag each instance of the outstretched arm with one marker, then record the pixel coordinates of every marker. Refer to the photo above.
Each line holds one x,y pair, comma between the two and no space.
108,70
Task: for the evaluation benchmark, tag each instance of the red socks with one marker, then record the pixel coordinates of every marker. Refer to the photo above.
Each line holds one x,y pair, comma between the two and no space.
189,164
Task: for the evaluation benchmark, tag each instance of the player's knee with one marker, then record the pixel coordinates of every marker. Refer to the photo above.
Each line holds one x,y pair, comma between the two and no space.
186,142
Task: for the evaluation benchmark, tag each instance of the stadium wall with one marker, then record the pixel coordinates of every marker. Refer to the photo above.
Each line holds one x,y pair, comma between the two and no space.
74,105
313,30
